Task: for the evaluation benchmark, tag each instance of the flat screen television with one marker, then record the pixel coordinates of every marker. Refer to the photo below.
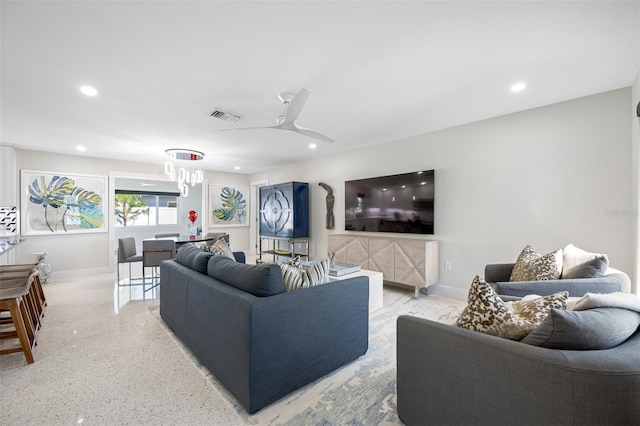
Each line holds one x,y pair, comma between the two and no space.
398,203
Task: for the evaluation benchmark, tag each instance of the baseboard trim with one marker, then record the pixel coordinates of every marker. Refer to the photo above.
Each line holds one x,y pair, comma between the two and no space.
446,291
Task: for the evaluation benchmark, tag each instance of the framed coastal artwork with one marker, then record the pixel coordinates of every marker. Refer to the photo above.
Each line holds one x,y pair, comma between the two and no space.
56,203
228,205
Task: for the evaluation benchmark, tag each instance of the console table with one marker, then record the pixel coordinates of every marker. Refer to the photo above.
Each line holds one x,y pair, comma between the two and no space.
375,286
408,261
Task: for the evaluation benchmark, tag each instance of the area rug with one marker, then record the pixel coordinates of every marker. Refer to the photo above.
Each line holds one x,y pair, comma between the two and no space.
360,393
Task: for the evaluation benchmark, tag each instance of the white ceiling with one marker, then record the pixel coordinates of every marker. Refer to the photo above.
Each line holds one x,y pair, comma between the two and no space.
377,71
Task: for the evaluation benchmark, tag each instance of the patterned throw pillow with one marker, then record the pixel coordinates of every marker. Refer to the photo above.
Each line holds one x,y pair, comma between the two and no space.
532,266
296,261
296,278
487,313
221,248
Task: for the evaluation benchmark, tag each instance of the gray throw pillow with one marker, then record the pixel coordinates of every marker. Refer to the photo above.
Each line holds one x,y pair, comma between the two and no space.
599,328
577,263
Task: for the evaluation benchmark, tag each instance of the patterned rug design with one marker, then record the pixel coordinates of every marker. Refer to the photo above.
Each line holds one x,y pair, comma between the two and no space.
360,393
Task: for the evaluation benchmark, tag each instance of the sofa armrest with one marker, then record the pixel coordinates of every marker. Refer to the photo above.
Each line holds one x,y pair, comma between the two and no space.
240,256
577,287
449,375
494,273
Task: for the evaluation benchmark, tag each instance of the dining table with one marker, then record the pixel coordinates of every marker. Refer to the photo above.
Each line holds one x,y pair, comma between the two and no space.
183,239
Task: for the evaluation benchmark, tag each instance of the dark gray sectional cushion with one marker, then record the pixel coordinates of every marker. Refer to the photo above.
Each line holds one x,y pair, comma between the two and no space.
259,280
599,328
194,258
577,263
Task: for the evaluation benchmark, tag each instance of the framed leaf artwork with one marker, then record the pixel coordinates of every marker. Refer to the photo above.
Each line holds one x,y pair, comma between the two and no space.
62,203
228,205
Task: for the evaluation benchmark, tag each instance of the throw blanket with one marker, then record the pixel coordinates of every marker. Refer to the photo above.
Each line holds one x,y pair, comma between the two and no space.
608,300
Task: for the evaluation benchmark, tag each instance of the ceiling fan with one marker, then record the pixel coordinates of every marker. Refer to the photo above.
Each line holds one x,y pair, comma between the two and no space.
288,119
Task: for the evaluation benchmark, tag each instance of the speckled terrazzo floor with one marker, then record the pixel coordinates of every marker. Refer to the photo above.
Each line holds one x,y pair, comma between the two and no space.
104,357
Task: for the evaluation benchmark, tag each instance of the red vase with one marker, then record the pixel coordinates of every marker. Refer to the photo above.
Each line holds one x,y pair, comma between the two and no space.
193,216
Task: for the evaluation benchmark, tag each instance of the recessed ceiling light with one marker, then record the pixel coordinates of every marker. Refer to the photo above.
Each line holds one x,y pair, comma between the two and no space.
518,87
237,167
88,90
81,148
313,146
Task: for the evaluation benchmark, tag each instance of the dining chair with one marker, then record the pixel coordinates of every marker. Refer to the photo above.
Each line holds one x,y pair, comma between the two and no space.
154,252
127,253
174,234
216,236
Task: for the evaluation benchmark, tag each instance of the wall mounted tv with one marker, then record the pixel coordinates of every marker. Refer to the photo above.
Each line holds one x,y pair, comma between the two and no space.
399,203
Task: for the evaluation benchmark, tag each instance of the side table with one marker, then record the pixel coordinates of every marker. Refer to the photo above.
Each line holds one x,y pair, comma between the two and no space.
375,286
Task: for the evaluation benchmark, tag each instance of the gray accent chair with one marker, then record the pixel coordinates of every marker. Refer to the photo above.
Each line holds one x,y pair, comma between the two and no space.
498,276
453,376
127,253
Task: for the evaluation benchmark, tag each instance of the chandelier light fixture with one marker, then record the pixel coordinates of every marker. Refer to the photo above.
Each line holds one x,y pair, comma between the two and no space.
183,175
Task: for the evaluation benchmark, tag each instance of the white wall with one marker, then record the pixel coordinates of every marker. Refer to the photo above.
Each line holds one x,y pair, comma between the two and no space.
548,177
73,254
635,158
8,193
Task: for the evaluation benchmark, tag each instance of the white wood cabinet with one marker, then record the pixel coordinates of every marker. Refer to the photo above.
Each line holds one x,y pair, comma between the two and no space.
408,261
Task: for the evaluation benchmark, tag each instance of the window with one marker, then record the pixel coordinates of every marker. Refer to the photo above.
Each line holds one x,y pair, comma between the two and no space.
143,208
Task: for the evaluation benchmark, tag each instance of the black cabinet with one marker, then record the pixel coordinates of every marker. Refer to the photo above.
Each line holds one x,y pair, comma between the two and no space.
284,210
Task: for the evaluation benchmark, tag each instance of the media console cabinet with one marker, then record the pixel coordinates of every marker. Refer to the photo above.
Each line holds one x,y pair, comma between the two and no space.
407,261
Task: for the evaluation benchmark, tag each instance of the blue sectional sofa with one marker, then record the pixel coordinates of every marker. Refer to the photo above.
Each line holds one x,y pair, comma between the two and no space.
259,341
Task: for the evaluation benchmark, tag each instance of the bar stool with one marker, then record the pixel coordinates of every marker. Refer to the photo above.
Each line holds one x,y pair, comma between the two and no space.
32,299
37,283
14,295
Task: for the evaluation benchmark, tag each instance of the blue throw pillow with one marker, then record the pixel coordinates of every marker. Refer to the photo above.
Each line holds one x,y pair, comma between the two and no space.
599,328
194,258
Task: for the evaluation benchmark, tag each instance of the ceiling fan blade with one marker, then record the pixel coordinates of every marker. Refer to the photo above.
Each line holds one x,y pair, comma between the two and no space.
250,128
295,106
312,134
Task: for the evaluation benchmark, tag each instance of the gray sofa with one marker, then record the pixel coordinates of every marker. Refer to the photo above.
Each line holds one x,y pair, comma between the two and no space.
453,376
498,276
258,341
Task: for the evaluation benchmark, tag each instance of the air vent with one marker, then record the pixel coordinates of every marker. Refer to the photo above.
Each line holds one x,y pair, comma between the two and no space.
225,116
